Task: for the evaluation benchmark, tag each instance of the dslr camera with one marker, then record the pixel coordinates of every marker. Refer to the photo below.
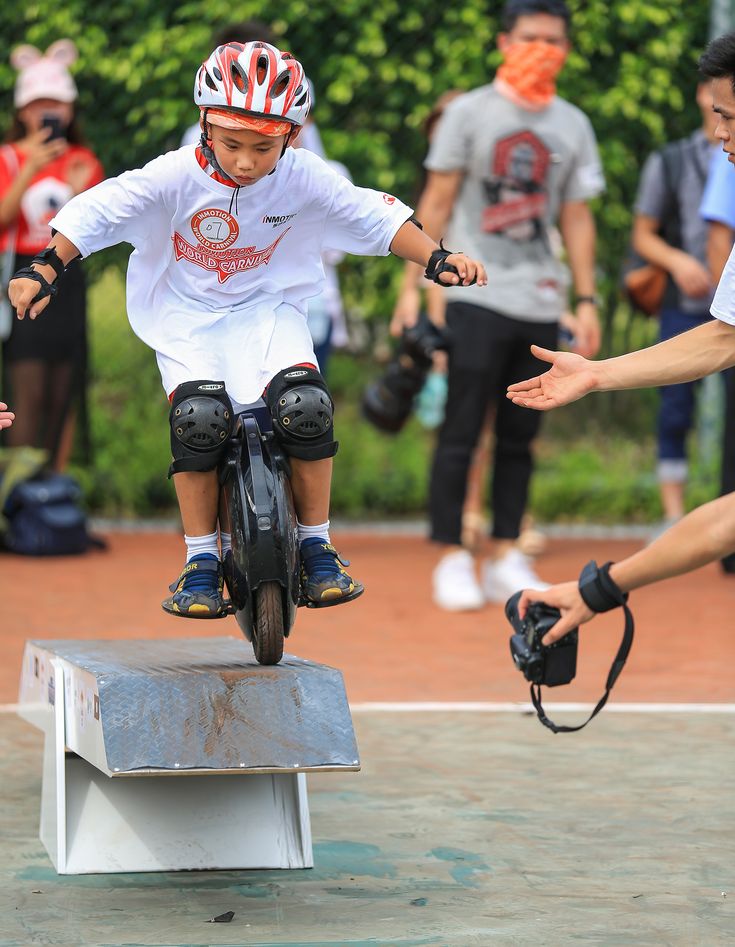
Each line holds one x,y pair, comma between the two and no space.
387,403
541,664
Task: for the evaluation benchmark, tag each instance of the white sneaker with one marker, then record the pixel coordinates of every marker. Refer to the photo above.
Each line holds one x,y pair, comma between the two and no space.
456,588
501,578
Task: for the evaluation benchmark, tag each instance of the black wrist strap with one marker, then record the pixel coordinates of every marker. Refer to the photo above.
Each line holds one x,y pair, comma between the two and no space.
49,257
601,594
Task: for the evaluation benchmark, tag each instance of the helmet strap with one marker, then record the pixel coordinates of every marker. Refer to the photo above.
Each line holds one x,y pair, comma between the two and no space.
286,143
208,151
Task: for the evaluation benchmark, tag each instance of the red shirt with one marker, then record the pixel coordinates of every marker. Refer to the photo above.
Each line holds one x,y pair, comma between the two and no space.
48,191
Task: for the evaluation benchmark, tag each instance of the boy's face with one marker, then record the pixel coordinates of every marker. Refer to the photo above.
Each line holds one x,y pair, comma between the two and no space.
246,156
723,99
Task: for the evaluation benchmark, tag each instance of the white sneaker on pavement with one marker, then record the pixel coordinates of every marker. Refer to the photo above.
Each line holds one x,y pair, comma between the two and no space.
456,588
501,578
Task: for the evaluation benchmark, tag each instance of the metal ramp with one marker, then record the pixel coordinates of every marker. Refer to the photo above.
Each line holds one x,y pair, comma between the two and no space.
180,754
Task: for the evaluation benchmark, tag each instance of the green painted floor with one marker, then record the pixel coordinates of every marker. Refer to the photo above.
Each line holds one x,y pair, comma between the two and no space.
462,829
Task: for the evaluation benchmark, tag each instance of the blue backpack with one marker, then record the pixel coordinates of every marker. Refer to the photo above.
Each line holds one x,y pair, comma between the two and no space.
44,518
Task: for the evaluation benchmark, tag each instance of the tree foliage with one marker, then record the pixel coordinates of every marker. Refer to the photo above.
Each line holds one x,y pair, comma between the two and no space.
377,69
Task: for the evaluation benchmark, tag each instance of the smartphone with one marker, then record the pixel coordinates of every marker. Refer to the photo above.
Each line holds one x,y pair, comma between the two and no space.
58,128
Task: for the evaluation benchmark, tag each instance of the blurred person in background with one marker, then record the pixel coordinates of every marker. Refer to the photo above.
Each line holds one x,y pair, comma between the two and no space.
43,164
707,533
507,162
669,232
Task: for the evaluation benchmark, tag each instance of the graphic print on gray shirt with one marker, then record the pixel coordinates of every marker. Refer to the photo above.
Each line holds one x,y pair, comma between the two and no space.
519,167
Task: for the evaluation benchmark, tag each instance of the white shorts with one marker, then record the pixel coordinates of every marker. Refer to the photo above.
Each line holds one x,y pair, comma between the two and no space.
245,348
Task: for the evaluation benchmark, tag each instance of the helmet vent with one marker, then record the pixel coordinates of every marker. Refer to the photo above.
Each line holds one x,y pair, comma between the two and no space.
281,84
210,81
302,100
239,78
262,69
238,46
286,56
217,73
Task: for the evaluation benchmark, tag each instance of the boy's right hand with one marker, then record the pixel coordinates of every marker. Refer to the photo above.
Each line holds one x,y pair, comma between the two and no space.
22,293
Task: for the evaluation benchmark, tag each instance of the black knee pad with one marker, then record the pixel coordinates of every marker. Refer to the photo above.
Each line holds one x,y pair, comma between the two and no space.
201,419
302,411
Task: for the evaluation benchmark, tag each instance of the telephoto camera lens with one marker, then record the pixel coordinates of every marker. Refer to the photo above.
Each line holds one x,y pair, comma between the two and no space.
388,402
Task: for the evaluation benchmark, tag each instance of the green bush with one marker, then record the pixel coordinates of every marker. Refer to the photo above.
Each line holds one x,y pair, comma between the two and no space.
377,69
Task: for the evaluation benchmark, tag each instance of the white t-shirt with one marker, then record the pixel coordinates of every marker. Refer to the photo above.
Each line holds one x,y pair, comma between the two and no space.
219,278
723,305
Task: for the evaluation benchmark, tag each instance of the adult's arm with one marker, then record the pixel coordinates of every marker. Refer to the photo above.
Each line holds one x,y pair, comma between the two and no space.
701,351
704,535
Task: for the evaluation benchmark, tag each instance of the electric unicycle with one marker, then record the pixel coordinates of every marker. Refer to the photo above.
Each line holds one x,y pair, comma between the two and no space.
262,571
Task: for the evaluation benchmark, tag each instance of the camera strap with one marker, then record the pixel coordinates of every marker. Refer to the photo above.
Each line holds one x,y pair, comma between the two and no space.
600,593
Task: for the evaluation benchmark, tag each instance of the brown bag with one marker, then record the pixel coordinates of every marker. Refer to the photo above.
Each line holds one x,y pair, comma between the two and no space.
643,283
645,287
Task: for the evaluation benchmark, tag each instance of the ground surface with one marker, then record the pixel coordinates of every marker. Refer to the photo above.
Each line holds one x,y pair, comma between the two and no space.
464,828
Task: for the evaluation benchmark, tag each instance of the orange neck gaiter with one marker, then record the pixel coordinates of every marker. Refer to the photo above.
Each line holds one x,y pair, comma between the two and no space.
529,70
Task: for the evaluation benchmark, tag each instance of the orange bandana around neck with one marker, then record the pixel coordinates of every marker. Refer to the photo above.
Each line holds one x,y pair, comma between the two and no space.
530,70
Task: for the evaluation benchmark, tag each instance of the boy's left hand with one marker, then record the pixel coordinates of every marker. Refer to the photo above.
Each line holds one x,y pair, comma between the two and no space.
470,271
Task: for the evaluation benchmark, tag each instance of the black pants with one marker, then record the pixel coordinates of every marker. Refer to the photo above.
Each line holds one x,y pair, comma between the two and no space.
489,352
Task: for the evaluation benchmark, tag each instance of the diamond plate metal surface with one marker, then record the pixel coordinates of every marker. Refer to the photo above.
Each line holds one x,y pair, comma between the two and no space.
205,703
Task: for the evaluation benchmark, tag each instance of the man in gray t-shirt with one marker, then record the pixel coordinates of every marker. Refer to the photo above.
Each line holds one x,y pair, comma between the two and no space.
508,162
668,230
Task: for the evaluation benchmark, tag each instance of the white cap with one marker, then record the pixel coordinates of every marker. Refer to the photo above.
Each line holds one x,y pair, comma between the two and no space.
44,76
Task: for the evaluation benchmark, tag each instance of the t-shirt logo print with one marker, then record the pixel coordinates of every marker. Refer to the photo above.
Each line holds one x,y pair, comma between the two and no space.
215,231
516,191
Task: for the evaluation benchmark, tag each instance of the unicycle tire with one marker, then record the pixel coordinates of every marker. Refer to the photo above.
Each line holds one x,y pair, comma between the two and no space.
268,623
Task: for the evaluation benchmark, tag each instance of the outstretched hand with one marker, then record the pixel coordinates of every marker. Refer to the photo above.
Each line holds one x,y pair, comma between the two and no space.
567,599
570,377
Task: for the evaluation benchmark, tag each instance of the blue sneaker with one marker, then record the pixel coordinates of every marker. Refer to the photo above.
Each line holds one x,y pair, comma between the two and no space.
324,579
198,592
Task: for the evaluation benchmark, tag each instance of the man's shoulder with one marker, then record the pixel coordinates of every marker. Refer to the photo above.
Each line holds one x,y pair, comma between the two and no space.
569,112
475,99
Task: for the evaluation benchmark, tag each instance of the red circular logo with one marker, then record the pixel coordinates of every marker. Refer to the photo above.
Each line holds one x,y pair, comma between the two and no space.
214,228
389,199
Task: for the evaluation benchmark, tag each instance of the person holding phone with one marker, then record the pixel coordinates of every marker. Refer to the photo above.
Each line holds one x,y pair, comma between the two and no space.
43,164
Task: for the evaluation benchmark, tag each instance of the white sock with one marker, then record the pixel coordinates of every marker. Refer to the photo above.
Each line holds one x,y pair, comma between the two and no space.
309,532
197,545
225,542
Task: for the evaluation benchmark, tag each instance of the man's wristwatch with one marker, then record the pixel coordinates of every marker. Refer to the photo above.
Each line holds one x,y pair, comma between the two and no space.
588,299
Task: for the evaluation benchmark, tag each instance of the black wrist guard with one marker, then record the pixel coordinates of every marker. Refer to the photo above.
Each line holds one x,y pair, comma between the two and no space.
437,266
600,592
45,288
49,257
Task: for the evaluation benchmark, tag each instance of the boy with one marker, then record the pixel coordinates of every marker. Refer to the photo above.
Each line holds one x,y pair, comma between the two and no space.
227,240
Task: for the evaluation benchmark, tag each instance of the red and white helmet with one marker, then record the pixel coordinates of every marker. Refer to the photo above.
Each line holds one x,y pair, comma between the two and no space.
254,86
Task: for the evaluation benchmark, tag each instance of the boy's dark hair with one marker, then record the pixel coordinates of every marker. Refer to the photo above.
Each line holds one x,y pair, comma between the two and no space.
718,59
249,31
514,9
